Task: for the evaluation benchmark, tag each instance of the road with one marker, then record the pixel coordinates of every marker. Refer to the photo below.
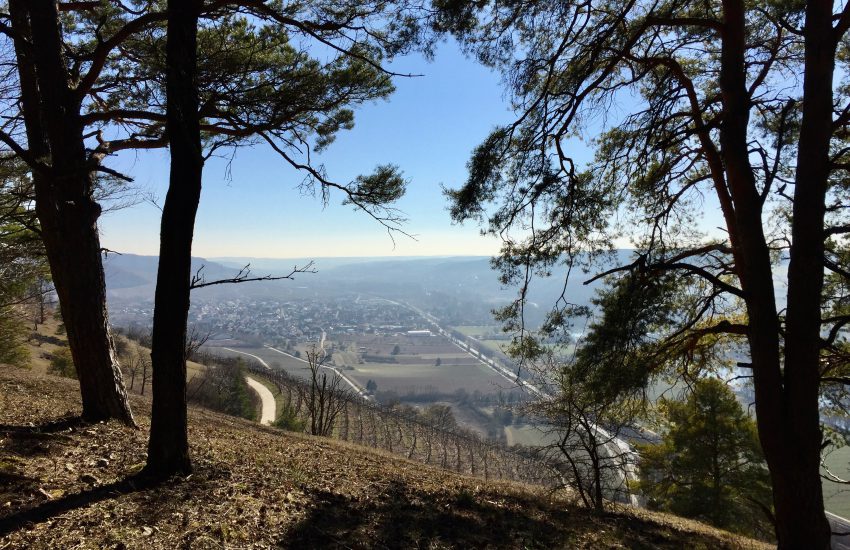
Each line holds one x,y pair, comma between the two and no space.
840,532
357,389
263,363
269,408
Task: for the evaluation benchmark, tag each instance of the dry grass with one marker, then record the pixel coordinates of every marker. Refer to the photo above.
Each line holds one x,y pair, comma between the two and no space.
69,485
46,339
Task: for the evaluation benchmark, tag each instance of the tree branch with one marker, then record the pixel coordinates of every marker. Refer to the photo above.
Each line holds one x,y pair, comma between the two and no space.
243,276
843,23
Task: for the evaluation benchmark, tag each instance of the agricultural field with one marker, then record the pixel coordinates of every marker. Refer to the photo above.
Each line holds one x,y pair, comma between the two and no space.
415,364
273,358
835,495
411,349
420,364
526,434
489,336
492,337
420,370
479,331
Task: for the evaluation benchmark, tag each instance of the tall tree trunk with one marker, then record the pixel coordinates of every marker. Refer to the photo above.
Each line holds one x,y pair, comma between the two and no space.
786,403
798,496
66,208
168,448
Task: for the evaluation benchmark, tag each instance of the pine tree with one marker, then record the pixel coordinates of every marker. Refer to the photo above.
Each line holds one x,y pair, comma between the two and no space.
709,464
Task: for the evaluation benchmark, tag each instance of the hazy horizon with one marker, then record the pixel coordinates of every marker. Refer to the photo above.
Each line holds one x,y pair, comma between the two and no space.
252,205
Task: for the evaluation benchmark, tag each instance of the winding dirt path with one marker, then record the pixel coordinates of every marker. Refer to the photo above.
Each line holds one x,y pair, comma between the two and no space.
267,399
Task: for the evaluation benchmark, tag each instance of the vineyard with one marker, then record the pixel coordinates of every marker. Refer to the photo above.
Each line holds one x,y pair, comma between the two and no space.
406,433
321,405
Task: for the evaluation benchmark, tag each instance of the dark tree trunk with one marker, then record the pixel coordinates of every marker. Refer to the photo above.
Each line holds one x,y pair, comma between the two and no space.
168,448
786,402
798,496
65,207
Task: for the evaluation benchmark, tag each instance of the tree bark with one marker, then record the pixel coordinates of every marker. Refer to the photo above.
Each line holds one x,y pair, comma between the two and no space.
168,447
798,497
65,207
787,406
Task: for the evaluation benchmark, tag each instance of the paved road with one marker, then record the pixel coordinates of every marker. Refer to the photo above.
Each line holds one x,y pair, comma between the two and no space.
269,409
357,389
263,363
840,529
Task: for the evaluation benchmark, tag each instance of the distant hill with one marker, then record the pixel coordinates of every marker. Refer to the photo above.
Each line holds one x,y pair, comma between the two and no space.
469,280
134,276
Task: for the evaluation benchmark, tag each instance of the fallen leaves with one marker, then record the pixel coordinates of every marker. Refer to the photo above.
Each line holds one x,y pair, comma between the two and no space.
257,487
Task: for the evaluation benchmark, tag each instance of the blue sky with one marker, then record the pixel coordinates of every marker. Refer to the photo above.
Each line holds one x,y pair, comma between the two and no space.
428,128
251,205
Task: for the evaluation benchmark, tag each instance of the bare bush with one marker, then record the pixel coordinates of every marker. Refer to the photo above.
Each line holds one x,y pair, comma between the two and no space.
325,399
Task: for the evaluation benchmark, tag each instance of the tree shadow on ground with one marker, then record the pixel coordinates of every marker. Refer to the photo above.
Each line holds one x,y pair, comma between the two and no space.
20,443
51,426
154,499
404,518
27,441
51,508
47,339
401,517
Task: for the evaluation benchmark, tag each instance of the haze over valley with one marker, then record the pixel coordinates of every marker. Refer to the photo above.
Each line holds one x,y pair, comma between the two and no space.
420,329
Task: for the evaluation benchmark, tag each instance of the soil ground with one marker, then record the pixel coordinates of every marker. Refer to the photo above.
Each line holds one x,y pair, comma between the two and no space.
65,484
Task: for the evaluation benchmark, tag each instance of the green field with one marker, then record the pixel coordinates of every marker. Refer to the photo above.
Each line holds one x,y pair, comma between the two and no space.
835,495
478,331
492,337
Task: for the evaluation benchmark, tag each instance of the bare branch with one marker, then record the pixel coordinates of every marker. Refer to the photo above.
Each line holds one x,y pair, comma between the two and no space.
244,276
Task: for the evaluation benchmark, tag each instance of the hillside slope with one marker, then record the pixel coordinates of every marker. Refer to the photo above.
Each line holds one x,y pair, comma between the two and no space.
64,485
